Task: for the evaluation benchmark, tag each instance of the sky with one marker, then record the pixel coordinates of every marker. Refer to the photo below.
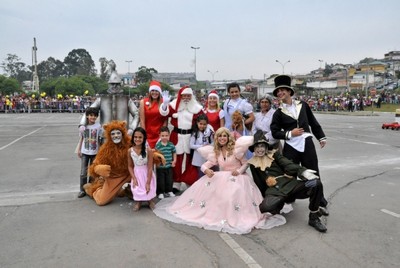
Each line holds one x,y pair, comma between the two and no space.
236,39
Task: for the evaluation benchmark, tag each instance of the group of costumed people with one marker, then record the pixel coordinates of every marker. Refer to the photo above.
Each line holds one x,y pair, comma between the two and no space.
226,198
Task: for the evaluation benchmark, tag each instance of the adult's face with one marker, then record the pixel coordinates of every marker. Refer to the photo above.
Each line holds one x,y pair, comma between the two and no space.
116,136
283,94
154,94
265,105
186,98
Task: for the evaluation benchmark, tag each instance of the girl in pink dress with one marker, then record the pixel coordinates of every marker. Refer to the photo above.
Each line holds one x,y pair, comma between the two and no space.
140,165
150,118
225,200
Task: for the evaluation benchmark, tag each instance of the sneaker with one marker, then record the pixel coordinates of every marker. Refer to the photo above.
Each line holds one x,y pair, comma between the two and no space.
315,222
171,194
161,196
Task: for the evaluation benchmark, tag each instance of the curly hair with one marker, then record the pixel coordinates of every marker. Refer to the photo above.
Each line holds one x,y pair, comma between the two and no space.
230,145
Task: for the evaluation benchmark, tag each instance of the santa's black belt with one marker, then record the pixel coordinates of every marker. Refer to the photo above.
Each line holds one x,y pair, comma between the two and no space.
182,131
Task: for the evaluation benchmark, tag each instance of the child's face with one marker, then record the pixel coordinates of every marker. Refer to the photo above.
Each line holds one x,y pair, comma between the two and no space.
223,139
260,149
138,138
202,124
212,101
164,136
91,119
234,93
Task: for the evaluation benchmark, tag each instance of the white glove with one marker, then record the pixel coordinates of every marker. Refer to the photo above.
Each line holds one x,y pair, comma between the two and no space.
130,132
82,129
309,174
166,97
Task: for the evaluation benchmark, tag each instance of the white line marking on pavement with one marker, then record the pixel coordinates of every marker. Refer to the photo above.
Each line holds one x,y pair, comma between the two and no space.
239,251
11,143
390,213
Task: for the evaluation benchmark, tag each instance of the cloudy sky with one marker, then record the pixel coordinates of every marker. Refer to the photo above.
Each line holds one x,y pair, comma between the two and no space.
239,39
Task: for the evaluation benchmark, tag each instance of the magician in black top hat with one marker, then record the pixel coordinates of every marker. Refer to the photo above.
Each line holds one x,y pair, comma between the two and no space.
283,81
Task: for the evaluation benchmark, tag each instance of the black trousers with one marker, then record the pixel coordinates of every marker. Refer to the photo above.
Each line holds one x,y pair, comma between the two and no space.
302,192
307,159
164,180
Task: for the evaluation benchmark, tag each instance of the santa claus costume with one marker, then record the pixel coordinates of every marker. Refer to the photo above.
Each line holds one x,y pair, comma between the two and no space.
183,114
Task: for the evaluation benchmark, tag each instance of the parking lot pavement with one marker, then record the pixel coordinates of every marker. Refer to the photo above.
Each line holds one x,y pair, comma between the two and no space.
44,224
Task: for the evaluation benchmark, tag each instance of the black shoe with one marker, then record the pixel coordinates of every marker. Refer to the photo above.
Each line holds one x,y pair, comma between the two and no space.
323,211
315,222
81,194
175,191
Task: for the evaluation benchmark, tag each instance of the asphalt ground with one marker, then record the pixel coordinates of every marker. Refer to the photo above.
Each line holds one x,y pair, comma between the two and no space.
44,224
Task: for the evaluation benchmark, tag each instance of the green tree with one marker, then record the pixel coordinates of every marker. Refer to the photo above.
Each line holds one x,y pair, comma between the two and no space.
76,85
14,68
99,86
8,85
50,68
145,74
79,62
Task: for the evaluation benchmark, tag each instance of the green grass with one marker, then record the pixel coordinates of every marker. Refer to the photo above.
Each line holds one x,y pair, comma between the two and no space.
385,107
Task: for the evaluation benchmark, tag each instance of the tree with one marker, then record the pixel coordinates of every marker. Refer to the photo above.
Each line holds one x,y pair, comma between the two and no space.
103,68
143,89
145,74
79,62
8,85
51,68
14,68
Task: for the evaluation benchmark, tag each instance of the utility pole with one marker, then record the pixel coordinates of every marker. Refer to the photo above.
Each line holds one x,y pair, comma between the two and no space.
35,78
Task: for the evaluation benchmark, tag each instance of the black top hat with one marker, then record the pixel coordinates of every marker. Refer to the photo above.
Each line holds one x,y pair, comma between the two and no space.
259,137
283,81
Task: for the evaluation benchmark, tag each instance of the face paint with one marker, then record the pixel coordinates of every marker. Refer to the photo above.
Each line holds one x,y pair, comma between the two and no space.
260,149
116,136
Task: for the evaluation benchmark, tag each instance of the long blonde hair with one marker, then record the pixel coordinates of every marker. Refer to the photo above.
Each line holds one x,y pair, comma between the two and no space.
230,145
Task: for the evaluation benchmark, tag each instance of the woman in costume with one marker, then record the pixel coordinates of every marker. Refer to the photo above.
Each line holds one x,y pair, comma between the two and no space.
225,200
150,118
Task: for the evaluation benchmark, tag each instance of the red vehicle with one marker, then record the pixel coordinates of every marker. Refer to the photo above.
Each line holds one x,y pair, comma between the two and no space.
393,125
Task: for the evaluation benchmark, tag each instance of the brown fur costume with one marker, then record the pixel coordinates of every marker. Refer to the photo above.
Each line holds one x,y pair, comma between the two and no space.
110,167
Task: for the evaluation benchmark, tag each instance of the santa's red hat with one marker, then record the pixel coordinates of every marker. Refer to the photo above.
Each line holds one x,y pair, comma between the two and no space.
155,85
213,93
183,90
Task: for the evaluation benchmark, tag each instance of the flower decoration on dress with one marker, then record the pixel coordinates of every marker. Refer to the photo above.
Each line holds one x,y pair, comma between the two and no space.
203,204
232,178
191,202
208,183
237,207
254,204
223,222
147,103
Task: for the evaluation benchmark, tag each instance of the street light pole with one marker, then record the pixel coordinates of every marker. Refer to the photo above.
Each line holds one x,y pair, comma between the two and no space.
283,65
212,74
195,62
129,65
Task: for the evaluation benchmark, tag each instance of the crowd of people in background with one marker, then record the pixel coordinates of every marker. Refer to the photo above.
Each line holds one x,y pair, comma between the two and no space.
24,103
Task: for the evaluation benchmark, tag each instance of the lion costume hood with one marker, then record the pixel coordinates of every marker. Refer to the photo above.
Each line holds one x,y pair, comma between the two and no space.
113,154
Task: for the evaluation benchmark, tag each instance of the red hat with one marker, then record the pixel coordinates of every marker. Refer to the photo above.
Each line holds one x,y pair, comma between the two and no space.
183,90
213,93
155,85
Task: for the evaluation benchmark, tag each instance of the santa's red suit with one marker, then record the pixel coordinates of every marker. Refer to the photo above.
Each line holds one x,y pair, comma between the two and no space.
183,116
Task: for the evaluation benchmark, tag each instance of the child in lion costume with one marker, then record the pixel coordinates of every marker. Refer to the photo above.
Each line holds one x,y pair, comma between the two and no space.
110,168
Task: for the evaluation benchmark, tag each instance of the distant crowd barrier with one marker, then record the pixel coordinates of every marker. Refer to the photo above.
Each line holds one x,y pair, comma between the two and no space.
36,106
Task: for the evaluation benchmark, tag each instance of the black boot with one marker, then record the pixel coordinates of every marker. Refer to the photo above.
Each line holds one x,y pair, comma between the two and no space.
323,211
315,221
